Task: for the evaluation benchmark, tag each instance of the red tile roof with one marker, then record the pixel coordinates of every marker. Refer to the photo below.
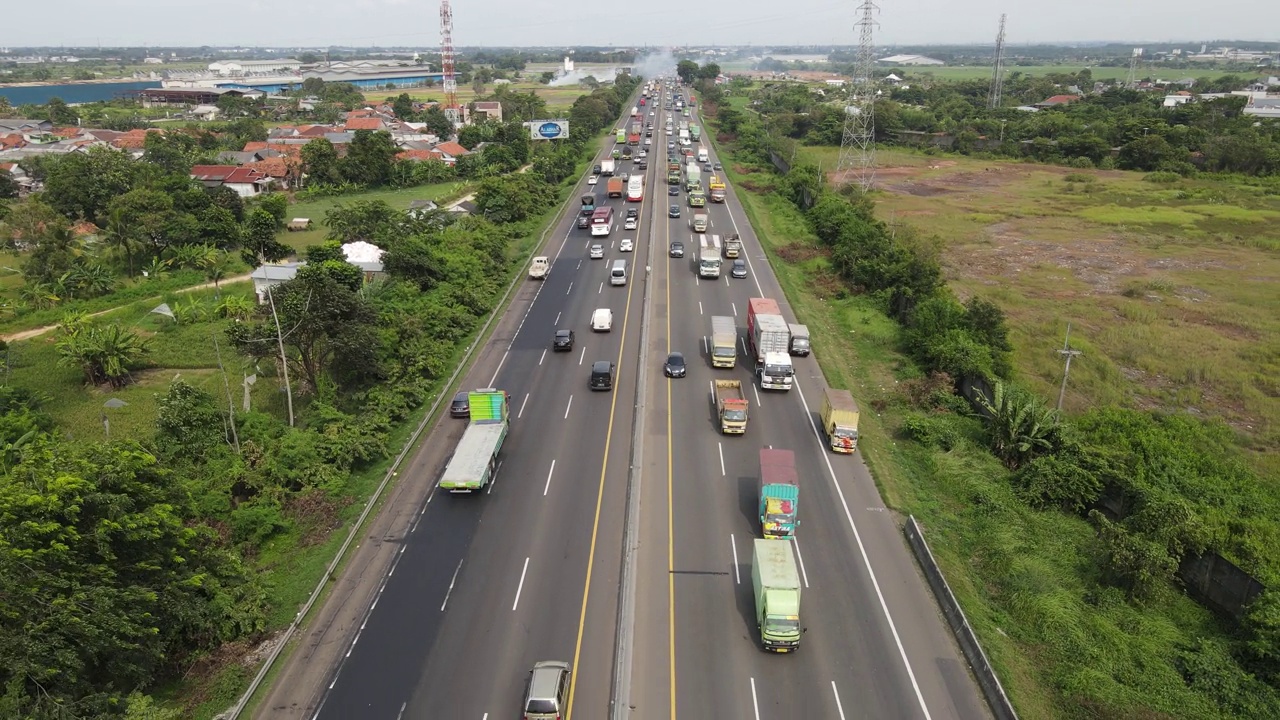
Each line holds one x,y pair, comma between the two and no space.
255,146
315,131
242,175
364,123
361,113
414,154
133,140
13,140
66,132
1060,99
8,167
276,167
452,148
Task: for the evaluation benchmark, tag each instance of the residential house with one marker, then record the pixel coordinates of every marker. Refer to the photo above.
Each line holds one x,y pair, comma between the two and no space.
1263,107
1057,100
285,171
271,275
26,184
204,112
1179,98
490,109
366,256
363,123
450,151
245,181
21,126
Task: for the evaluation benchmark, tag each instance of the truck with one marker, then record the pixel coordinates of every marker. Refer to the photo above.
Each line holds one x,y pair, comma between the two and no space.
614,187
770,341
633,137
539,268
733,246
799,340
475,460
692,177
779,494
703,155
588,204
622,135
697,199
840,420
717,189
699,222
607,167
731,405
695,132
724,341
709,256
684,136
777,589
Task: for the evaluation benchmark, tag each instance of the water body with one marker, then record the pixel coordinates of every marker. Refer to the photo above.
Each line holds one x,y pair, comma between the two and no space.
72,93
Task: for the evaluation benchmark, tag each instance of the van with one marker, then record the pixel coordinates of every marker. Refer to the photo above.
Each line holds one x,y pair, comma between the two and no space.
601,375
618,275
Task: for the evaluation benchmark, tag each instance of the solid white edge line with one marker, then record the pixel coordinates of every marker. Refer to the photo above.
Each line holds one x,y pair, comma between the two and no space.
866,561
544,356
757,392
737,573
521,585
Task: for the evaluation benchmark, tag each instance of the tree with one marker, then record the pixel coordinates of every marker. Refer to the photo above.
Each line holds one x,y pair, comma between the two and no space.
369,158
175,152
148,213
189,423
687,70
8,186
259,243
278,205
371,220
59,112
82,185
53,253
709,71
331,328
1019,426
546,77
438,123
1146,153
320,162
512,198
103,353
403,107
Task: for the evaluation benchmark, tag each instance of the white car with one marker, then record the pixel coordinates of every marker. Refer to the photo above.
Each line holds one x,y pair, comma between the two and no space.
593,179
629,224
625,244
669,131
645,153
597,252
602,320
648,141
650,113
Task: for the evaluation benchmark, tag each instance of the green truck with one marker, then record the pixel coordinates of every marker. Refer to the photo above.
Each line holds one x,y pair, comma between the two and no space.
777,587
475,460
697,198
695,132
779,494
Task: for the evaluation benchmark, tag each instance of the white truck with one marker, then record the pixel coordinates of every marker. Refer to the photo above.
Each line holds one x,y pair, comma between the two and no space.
709,256
703,155
692,177
539,268
770,339
475,460
607,167
699,222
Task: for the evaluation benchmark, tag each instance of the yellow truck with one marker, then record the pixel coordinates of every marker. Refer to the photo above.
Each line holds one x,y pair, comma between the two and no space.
717,189
840,420
732,406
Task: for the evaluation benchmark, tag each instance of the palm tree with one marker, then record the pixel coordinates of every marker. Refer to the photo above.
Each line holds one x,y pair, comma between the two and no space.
103,354
157,268
1019,425
191,256
40,296
215,268
120,236
89,279
235,307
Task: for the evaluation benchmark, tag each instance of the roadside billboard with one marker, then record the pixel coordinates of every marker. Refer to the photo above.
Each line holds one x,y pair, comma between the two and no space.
548,129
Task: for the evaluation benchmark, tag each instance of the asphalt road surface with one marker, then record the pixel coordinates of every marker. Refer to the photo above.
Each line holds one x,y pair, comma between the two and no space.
450,599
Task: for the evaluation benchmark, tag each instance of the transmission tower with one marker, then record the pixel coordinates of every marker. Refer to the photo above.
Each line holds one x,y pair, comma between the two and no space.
1132,81
997,73
858,147
451,108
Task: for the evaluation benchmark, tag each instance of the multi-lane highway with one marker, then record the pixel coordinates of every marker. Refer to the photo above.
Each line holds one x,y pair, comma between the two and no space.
475,589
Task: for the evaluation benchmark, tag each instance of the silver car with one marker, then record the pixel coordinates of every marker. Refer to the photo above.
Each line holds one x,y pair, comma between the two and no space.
597,252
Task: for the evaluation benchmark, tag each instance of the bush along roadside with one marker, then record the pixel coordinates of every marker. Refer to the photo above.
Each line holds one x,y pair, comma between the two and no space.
1080,547
160,561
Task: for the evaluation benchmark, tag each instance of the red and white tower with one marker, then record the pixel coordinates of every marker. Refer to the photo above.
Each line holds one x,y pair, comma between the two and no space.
451,108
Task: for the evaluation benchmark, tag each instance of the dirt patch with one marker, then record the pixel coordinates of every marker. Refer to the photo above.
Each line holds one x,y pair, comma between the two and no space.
796,252
910,187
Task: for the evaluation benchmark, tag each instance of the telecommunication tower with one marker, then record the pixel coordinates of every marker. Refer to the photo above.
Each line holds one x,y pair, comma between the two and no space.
1132,81
858,146
997,73
451,108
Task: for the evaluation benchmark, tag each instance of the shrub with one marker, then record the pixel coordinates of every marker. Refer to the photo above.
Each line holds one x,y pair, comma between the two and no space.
935,431
1162,177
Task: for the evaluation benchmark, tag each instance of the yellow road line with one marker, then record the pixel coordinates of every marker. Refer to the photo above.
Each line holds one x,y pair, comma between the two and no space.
595,524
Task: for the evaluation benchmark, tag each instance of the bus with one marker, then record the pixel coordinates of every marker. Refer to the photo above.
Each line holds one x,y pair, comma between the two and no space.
635,188
622,135
602,221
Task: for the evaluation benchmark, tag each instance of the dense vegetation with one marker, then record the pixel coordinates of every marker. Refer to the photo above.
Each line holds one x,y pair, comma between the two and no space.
1070,531
1116,128
130,563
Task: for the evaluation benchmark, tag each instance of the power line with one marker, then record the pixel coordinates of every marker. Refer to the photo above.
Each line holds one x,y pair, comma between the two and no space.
858,146
1067,353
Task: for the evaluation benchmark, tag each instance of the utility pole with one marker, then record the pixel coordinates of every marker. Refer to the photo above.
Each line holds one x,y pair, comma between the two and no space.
1067,353
231,415
284,360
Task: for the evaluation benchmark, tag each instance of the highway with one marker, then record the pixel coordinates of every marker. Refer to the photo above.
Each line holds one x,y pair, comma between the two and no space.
486,585
876,646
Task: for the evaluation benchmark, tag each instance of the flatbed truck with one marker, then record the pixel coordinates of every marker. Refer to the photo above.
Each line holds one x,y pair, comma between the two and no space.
475,459
731,405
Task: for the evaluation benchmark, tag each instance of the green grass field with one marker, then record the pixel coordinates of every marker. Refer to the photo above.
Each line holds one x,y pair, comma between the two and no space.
398,199
557,98
1169,289
1181,321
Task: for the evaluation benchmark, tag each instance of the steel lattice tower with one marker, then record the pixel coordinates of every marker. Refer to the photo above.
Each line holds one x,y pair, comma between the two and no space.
451,108
997,73
858,147
1132,81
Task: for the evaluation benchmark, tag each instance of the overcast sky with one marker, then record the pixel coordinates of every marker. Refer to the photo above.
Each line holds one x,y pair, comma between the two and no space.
657,22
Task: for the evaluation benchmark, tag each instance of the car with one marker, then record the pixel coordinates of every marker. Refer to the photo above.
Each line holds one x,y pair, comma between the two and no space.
674,367
626,177
673,211
563,341
602,320
584,222
676,250
717,166
668,131
461,405
547,695
625,245
593,179
650,113
540,268
673,190
739,269
671,145
601,375
597,252
616,153
706,168
629,224
596,170
633,212
642,165
644,153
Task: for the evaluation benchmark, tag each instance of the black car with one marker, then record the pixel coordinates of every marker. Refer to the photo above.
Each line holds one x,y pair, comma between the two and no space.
461,405
677,249
632,212
595,170
601,375
642,165
584,222
718,166
673,211
563,341
674,367
673,190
